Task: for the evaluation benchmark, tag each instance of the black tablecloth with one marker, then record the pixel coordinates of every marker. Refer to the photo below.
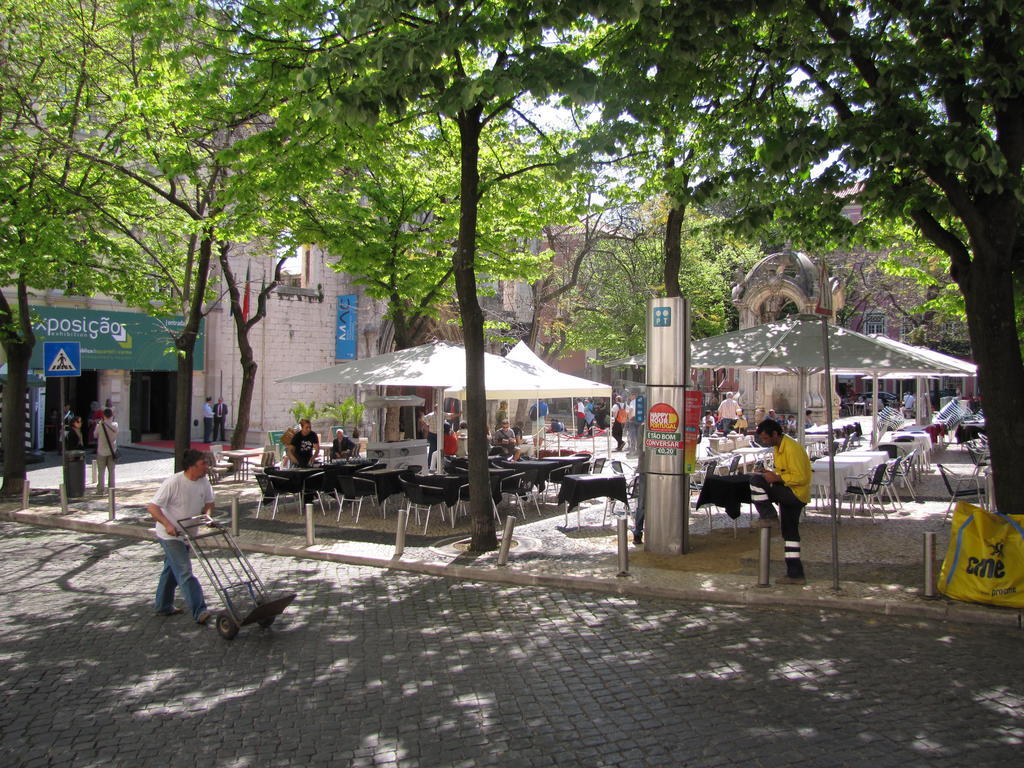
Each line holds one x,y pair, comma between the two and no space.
578,488
497,475
536,471
728,491
349,467
385,480
967,432
450,485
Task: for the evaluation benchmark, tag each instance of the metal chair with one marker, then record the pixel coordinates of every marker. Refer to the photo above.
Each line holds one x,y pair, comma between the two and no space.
267,492
519,487
957,492
424,497
868,491
285,485
354,489
598,466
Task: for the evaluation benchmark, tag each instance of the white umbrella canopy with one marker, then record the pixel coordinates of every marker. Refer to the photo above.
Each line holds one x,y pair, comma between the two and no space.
443,366
795,345
555,383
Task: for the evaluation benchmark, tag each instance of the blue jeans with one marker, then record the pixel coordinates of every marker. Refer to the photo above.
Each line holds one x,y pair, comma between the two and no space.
178,571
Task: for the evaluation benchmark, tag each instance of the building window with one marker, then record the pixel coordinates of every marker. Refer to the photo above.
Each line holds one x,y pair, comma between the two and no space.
874,322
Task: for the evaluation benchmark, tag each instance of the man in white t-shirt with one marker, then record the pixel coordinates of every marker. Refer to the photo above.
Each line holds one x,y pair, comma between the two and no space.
182,495
728,412
908,405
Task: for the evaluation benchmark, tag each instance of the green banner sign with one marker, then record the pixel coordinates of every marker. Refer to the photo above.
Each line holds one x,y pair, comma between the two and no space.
112,340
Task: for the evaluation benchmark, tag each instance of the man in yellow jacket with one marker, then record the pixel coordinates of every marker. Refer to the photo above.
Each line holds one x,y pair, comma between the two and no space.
789,486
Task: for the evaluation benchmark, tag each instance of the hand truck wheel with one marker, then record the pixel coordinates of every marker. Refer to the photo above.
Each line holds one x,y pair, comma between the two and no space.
226,626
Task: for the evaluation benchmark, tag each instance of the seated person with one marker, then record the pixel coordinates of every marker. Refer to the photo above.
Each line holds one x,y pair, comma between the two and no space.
305,444
343,447
450,445
557,426
741,422
505,439
709,425
808,421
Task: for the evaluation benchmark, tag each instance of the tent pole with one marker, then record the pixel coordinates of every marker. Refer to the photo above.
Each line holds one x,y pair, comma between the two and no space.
831,455
874,409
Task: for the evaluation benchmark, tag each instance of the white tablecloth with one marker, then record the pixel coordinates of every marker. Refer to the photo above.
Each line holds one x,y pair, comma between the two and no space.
922,441
848,465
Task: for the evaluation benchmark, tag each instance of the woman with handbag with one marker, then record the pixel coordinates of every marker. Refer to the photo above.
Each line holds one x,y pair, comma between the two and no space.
105,434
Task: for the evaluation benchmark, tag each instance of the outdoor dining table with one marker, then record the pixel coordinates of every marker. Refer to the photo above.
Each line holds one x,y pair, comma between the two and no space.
450,485
385,480
536,470
497,474
848,465
579,488
302,474
349,466
240,458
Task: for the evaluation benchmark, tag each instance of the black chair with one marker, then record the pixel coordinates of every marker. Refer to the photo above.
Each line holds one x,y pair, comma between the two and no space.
734,465
285,485
519,487
267,492
422,497
957,492
354,489
598,466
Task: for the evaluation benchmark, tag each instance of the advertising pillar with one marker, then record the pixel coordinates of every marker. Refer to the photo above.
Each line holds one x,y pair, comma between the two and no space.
668,430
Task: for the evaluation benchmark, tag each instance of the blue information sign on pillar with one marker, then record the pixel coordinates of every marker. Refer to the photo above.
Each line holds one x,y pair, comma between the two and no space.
62,358
640,404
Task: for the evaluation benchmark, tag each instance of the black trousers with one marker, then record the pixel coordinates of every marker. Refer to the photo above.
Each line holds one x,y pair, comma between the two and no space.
765,496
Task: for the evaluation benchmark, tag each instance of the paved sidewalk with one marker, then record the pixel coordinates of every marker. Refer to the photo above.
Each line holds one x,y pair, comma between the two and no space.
880,562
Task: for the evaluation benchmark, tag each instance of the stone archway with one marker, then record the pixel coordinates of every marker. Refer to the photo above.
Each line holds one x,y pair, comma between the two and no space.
780,285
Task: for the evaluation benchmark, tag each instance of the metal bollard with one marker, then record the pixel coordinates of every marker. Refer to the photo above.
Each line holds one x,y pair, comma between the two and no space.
92,472
403,521
929,565
234,515
764,557
25,491
506,540
623,526
63,498
111,506
310,528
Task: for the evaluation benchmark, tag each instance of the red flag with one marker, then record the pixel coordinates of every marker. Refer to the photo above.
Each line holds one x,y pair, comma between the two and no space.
245,298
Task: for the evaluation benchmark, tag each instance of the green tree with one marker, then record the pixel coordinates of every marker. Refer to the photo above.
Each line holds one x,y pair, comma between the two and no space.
472,65
52,232
921,104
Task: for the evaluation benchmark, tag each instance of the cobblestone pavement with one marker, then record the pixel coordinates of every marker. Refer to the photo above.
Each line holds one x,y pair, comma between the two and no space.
372,667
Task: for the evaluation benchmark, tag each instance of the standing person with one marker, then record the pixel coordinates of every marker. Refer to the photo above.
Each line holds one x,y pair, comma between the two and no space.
632,426
727,413
451,441
182,495
95,417
581,416
619,418
908,405
207,420
789,486
75,441
105,434
305,444
589,416
220,413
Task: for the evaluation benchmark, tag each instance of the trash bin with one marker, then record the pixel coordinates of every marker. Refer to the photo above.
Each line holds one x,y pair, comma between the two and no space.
74,474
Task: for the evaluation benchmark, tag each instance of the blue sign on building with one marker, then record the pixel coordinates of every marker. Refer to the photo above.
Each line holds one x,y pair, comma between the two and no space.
345,336
640,404
62,358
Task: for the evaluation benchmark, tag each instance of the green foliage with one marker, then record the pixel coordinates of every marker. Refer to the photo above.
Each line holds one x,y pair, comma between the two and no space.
301,410
608,312
349,411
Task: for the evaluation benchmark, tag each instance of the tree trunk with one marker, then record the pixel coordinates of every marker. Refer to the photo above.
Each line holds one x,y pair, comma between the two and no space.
673,250
185,344
483,534
19,341
988,299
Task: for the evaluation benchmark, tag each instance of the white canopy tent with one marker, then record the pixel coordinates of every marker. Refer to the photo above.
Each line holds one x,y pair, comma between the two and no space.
442,367
563,384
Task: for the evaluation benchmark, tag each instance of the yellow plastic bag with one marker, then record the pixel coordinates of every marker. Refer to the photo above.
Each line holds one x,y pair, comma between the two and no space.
984,561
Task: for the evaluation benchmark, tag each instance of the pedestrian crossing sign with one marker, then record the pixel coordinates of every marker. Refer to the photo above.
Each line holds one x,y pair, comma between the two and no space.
62,358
